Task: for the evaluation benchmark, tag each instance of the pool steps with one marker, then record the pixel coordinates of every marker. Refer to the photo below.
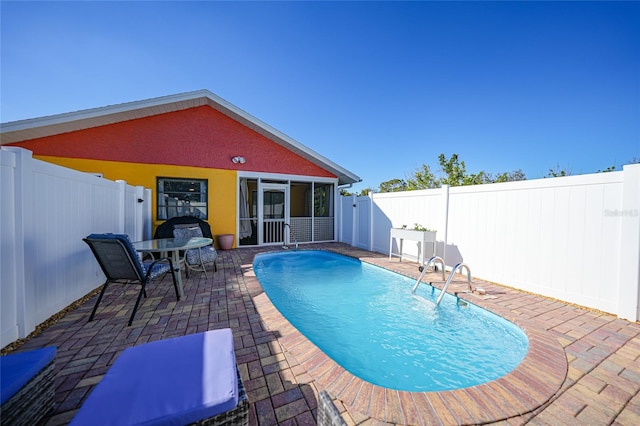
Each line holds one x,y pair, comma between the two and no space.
434,259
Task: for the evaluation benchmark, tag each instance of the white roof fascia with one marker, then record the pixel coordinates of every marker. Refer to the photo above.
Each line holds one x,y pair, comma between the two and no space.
87,118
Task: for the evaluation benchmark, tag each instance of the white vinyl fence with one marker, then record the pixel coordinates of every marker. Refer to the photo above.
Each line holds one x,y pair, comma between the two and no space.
574,238
45,212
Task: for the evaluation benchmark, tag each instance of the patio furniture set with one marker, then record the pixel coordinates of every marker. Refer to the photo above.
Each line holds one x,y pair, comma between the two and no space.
187,380
191,379
190,244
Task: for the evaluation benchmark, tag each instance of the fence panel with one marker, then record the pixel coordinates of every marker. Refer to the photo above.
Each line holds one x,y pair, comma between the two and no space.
53,208
398,209
134,222
546,236
346,222
573,238
363,223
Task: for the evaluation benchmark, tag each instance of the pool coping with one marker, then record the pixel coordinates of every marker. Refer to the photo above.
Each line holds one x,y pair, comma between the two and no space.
527,388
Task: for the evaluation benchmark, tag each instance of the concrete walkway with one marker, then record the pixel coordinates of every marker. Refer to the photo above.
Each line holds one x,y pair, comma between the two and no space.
583,367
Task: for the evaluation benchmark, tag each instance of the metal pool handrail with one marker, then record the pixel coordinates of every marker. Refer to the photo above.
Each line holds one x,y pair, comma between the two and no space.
424,268
453,272
284,245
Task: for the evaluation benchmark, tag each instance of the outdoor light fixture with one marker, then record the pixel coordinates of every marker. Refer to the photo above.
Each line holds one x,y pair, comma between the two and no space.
238,159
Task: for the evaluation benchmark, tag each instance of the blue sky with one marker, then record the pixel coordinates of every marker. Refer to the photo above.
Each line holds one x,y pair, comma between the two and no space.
377,87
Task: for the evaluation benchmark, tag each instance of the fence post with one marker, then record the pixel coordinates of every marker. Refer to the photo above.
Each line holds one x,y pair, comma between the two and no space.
371,224
23,210
445,222
139,213
354,218
629,266
8,249
148,217
122,205
340,218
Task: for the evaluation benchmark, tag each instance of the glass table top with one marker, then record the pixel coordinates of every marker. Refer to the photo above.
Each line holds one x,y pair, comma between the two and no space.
171,244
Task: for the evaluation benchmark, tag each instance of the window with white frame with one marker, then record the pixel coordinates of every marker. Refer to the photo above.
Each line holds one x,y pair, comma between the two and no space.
182,197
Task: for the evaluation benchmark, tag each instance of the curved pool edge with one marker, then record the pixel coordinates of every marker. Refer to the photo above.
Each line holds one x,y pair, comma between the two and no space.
532,384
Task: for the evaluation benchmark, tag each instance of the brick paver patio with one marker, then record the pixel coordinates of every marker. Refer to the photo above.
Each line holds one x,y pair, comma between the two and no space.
583,366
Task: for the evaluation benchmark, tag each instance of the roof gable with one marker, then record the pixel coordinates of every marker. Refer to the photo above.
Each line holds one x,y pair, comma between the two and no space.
24,130
197,137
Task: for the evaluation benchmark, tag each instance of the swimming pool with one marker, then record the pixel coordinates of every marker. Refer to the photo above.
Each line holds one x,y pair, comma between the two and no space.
365,318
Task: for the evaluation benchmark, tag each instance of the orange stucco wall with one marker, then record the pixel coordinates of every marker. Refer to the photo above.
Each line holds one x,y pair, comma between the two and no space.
198,137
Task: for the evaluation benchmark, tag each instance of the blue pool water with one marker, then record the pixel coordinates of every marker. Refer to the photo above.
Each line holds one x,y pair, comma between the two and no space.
366,319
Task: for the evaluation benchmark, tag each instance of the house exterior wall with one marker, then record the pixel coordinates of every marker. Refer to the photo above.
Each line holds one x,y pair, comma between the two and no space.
194,143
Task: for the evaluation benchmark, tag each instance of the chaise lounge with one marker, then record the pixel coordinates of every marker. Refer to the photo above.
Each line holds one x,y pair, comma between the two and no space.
190,379
27,386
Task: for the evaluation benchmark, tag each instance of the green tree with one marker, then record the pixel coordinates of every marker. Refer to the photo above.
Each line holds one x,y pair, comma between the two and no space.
366,192
453,168
456,172
393,185
558,171
506,177
608,169
422,178
634,160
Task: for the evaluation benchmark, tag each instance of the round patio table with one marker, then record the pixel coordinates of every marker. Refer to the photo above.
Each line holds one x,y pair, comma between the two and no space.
174,246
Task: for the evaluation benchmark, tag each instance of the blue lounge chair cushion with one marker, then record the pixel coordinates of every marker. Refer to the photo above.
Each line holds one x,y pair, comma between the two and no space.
17,369
173,381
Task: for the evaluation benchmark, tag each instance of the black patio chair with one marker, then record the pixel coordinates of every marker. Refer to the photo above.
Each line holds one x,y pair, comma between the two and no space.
194,259
165,229
121,264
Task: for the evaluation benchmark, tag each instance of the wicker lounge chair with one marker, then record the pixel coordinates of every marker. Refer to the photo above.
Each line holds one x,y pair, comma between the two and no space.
328,414
28,388
189,379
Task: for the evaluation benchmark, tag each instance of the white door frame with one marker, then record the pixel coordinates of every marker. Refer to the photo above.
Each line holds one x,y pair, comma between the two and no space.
262,188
